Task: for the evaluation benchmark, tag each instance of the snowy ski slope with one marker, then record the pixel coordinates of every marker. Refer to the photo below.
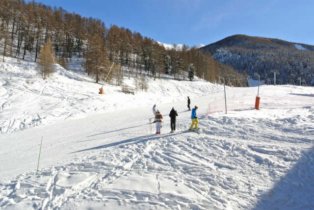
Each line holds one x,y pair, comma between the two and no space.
100,152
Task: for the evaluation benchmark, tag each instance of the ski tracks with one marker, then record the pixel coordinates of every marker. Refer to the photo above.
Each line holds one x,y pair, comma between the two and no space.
98,178
83,178
172,171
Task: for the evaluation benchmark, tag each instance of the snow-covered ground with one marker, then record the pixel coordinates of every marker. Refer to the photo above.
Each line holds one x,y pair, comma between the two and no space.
28,101
105,154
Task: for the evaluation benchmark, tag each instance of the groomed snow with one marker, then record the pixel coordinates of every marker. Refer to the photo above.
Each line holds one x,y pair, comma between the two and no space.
100,151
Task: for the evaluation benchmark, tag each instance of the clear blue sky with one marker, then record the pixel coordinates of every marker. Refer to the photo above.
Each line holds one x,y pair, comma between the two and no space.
195,22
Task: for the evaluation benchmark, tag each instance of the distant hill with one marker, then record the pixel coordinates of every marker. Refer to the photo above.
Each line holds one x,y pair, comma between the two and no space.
293,62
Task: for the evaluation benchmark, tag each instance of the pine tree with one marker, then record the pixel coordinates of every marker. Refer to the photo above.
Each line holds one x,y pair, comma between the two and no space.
47,60
191,71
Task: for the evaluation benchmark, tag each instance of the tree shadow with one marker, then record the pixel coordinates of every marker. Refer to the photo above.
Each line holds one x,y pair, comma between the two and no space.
135,140
302,94
294,191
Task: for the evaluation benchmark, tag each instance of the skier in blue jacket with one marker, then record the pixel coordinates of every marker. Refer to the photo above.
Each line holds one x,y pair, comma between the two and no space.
194,118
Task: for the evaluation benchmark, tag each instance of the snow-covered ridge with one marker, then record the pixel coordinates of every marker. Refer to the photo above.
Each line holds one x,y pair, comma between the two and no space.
177,46
171,46
27,100
299,47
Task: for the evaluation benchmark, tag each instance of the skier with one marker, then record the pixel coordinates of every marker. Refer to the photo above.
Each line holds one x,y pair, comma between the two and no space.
173,114
158,121
194,125
189,102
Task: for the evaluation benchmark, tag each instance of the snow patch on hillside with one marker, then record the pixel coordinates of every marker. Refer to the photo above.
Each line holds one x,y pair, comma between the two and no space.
177,47
299,47
224,55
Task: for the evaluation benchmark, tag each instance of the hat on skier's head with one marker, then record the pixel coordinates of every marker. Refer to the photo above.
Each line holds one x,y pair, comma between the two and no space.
196,107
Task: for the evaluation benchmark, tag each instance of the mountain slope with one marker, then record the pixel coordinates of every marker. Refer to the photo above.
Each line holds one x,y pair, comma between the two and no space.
101,163
110,158
292,62
28,101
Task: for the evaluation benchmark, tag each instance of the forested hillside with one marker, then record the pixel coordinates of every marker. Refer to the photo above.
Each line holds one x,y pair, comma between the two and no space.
292,63
107,53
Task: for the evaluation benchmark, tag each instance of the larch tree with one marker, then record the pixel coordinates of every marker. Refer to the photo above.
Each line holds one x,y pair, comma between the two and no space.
96,60
46,60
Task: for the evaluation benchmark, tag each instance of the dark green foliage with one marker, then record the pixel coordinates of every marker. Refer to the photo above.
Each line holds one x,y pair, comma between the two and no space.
191,72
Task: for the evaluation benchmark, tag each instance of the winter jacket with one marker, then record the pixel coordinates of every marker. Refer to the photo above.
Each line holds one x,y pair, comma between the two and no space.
194,116
158,117
173,114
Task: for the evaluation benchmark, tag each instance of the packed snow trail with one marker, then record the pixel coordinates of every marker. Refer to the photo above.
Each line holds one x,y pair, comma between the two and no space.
109,157
100,163
171,171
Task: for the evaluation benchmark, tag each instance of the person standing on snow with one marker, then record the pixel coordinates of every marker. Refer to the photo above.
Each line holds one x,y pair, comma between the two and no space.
158,121
194,125
173,114
189,102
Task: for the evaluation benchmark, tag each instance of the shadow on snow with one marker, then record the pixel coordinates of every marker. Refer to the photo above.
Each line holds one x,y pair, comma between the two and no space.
135,140
121,129
302,94
295,190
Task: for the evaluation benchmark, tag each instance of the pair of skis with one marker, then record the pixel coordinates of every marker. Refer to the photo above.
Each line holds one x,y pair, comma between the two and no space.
196,130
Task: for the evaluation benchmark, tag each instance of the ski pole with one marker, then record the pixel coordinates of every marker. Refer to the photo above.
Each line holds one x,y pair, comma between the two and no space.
41,143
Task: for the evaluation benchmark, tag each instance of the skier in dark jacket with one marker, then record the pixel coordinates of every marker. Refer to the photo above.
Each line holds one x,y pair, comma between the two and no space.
173,115
189,102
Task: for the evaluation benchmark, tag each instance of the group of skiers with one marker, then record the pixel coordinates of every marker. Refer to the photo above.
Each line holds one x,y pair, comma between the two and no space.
173,115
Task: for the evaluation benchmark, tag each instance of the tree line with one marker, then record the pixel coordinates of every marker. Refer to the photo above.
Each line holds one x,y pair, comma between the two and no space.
291,66
108,52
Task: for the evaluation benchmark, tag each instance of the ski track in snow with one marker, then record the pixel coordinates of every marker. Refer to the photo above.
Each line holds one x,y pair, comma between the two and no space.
245,159
173,171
